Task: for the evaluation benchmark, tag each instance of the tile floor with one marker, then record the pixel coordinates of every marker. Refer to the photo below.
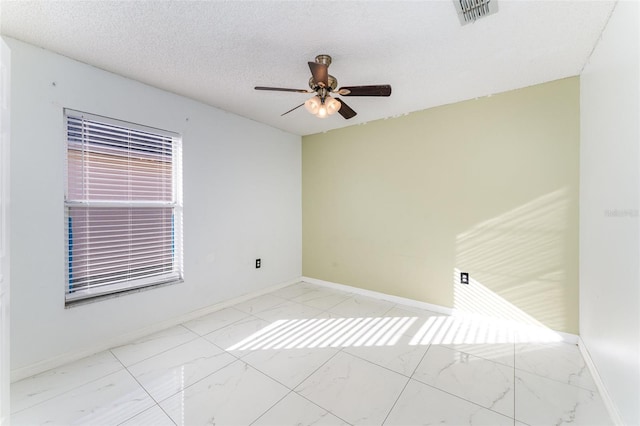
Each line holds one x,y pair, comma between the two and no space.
310,355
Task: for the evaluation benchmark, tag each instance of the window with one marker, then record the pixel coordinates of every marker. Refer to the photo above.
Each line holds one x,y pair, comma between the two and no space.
122,206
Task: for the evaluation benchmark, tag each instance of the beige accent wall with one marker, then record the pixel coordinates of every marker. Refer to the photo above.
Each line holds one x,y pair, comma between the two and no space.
487,186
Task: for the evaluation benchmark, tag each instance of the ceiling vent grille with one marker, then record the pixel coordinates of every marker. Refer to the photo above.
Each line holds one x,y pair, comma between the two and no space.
471,10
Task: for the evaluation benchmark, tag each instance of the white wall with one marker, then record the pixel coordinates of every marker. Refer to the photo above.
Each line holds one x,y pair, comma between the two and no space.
5,299
609,203
242,184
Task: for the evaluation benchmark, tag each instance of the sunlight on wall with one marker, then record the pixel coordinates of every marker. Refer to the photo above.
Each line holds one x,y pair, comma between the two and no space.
477,299
518,265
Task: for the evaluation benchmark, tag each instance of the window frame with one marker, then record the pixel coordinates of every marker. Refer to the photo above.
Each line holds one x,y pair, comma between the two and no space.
84,295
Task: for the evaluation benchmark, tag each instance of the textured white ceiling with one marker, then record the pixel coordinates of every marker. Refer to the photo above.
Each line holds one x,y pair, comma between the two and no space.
217,51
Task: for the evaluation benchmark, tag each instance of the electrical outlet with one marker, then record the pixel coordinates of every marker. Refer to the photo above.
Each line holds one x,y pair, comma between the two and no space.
258,263
464,278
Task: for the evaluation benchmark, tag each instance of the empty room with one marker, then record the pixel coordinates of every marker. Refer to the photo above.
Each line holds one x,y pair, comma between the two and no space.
320,212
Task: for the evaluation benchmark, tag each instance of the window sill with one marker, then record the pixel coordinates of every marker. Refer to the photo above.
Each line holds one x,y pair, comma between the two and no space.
93,299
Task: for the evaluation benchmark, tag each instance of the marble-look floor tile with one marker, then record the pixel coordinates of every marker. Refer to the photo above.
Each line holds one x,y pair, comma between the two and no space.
288,310
558,361
283,334
528,333
420,404
260,303
36,389
353,389
445,330
289,366
322,298
502,353
362,306
238,337
394,353
355,331
169,372
478,380
294,290
542,401
152,344
215,320
348,358
410,311
153,416
107,401
235,395
415,323
294,410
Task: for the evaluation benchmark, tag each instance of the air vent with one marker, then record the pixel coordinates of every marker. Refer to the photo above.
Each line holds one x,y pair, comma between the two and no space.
471,10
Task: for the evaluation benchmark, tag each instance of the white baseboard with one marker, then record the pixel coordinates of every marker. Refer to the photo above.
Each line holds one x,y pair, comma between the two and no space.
604,394
377,295
563,336
48,364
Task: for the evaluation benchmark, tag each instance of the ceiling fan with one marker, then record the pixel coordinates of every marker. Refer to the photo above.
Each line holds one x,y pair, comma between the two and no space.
322,104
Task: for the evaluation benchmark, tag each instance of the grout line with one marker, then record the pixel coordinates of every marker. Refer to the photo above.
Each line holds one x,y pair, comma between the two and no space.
197,336
247,317
461,398
197,381
292,390
484,358
319,367
406,384
382,366
311,374
556,380
150,396
458,396
320,406
274,404
122,367
396,401
421,359
143,411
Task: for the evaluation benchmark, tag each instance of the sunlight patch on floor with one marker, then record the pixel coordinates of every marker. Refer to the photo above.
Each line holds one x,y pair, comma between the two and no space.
390,331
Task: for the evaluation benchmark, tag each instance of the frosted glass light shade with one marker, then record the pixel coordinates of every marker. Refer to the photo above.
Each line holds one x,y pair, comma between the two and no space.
333,105
322,111
313,105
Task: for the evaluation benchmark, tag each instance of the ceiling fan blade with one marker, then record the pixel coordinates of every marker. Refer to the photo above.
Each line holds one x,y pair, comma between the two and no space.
282,89
292,109
377,90
346,111
320,73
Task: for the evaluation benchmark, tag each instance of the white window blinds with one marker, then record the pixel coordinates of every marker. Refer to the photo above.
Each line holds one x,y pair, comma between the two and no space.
122,206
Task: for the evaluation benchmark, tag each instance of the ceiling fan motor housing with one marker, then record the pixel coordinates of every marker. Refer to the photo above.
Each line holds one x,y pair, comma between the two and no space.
323,59
333,83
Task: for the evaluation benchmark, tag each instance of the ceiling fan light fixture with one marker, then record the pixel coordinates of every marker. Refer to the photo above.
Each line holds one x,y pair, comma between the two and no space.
313,104
323,112
322,104
333,105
